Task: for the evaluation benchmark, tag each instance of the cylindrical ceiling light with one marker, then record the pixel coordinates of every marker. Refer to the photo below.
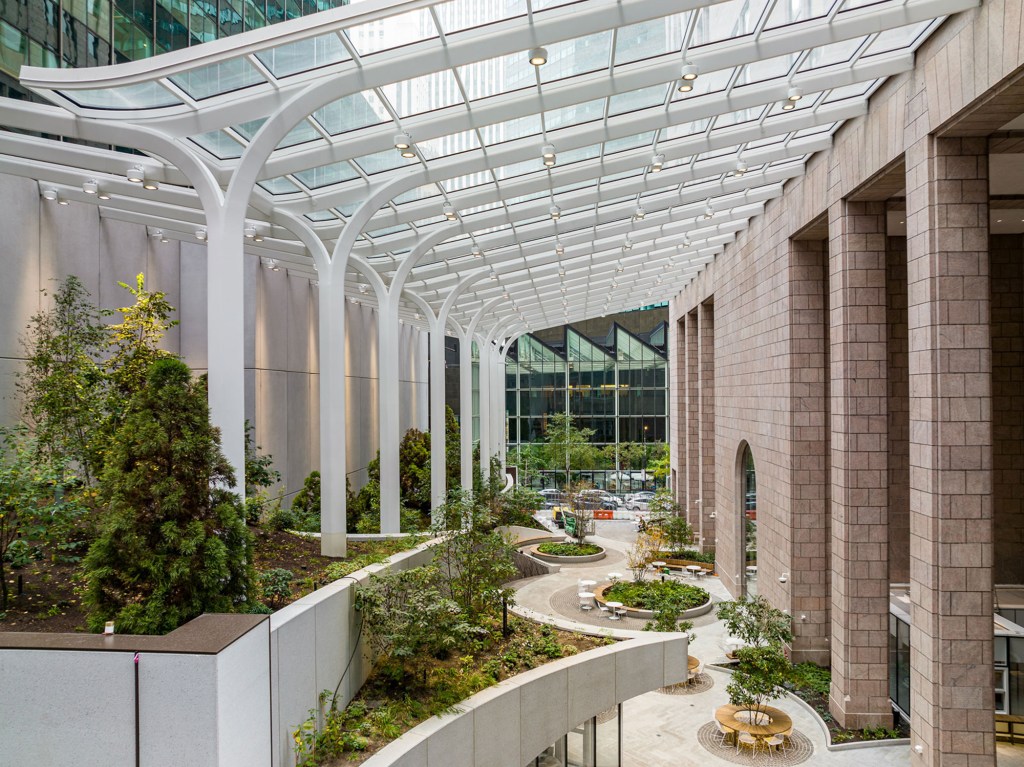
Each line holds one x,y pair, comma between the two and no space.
477,253
538,56
135,174
795,94
547,153
657,163
741,168
249,232
201,235
403,143
150,184
639,213
559,248
449,211
687,75
90,187
50,195
556,212
627,244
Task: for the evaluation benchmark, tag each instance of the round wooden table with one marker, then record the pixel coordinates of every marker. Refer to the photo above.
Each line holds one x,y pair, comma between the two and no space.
692,663
778,721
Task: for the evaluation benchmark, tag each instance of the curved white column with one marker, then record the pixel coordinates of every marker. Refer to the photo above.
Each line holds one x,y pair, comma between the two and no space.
438,438
387,414
485,406
466,409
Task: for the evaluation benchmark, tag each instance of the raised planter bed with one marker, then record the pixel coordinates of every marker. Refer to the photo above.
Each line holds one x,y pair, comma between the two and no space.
567,560
638,612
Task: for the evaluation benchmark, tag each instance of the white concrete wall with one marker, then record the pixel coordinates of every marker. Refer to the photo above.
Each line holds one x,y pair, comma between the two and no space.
510,723
44,242
312,643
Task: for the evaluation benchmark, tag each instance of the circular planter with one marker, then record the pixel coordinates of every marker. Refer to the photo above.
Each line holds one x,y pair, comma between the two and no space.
567,560
636,612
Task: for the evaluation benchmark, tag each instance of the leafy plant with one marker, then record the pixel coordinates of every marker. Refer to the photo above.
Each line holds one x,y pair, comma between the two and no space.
668,605
276,584
692,555
759,676
756,622
173,544
568,549
649,595
259,467
64,386
33,506
807,676
306,502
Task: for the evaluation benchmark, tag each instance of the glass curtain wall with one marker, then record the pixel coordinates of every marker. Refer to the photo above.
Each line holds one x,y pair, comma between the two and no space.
597,742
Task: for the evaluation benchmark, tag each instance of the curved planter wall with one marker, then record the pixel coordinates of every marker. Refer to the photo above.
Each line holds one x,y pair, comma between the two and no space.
636,612
510,723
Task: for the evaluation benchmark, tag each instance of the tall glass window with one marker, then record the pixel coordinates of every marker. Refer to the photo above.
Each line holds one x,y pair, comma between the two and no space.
748,481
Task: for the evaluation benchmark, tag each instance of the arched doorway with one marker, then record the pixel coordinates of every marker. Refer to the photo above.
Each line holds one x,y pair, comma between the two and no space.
748,512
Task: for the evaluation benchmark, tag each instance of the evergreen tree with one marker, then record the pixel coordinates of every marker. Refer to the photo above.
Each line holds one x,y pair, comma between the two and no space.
173,544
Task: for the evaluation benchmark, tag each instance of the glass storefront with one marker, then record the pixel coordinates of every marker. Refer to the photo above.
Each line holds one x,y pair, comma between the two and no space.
596,742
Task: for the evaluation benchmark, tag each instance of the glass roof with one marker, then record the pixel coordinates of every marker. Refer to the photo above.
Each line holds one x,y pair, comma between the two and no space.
774,80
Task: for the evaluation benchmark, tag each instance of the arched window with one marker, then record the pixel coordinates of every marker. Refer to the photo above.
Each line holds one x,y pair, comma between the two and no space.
748,496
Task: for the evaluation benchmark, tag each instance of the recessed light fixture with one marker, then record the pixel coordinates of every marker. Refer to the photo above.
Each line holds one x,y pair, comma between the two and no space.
547,153
135,174
449,211
657,163
556,212
90,186
538,56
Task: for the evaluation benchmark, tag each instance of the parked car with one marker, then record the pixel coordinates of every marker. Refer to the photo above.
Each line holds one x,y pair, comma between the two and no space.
639,501
612,502
552,497
591,501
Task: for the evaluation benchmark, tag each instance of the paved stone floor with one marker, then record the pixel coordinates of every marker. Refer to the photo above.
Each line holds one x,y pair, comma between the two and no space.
668,730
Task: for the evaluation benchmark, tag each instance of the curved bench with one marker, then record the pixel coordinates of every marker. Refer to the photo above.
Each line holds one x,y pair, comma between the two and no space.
509,724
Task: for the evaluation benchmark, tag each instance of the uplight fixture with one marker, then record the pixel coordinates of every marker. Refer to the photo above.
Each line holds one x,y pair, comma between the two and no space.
449,211
538,56
135,174
90,186
50,195
657,163
556,212
547,153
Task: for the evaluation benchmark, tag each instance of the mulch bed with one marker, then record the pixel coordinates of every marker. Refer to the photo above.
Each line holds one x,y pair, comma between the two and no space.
51,598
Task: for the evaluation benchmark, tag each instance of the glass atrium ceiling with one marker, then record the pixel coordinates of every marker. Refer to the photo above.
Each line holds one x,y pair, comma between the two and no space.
671,123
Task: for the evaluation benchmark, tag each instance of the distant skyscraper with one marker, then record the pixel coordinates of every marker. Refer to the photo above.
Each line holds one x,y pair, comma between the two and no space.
89,33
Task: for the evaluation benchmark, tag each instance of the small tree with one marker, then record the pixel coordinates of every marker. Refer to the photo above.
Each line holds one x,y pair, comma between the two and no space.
259,467
409,621
758,677
665,513
582,509
756,622
644,549
474,562
174,544
63,387
32,505
667,607
569,446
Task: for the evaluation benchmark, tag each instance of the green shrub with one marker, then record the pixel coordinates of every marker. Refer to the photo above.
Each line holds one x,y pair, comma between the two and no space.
647,595
706,557
306,502
568,549
811,678
276,584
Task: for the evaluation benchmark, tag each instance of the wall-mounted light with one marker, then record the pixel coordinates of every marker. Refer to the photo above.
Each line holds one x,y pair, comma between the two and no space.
657,163
135,174
547,154
272,264
784,577
538,56
158,234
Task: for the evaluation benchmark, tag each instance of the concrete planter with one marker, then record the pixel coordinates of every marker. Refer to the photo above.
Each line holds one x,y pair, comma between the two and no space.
568,560
636,612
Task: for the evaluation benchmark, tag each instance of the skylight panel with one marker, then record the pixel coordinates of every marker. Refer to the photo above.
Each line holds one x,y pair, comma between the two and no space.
380,162
520,127
517,169
579,155
436,90
650,38
419,193
319,216
460,15
504,74
392,32
901,38
147,95
388,230
628,142
854,90
712,82
736,118
325,175
219,144
279,185
794,11
727,21
577,56
631,101
300,134
217,79
827,55
766,69
304,55
577,114
465,182
359,110
449,144
682,130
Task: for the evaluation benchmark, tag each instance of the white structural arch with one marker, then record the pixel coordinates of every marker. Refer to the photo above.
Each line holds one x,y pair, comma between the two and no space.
290,132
